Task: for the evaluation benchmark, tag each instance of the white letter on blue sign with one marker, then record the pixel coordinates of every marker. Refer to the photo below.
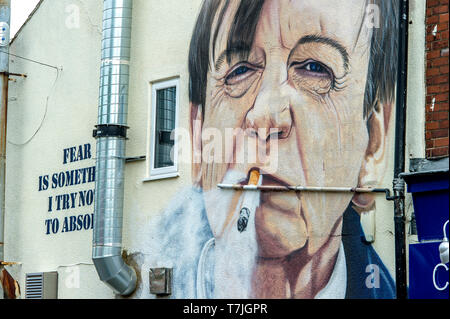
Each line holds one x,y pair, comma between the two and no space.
434,277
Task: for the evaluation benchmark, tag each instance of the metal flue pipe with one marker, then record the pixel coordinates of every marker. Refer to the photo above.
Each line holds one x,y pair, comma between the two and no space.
111,137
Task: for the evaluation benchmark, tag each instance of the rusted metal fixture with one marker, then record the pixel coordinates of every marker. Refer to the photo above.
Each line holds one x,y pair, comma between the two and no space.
6,263
11,289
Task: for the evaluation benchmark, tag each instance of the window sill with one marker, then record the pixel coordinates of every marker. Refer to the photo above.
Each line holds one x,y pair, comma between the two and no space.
161,176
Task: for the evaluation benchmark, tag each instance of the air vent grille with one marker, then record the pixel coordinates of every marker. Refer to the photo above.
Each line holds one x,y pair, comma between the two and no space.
34,287
41,285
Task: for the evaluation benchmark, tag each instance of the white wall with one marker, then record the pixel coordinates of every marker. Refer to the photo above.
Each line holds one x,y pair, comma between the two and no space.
49,111
52,110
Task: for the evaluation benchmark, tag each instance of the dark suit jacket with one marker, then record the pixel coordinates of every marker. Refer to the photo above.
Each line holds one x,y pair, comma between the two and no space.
359,254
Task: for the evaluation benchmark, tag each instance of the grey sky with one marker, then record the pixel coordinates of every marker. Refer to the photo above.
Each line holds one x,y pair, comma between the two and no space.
20,9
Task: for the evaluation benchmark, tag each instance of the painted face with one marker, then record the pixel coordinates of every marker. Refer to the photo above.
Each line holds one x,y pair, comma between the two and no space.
303,82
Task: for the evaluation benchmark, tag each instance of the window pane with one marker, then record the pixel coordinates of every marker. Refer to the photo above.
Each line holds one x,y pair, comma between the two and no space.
165,124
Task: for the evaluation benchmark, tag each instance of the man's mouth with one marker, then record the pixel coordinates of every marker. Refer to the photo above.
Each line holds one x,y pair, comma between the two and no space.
284,201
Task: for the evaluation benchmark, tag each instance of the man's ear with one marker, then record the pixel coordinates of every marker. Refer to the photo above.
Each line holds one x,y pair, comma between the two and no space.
196,138
375,159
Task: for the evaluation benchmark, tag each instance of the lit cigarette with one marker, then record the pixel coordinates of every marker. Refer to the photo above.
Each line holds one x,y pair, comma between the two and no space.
244,214
254,178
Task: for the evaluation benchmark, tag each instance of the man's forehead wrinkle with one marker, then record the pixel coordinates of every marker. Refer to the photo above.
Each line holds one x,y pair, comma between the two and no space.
274,21
322,25
284,43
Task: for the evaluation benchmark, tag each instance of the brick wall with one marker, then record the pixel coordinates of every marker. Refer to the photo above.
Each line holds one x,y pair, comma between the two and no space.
437,79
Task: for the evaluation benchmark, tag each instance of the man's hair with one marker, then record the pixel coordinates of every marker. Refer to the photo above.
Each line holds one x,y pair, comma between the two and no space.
382,69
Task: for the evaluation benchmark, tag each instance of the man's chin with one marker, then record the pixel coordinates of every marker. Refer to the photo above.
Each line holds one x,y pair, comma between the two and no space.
279,232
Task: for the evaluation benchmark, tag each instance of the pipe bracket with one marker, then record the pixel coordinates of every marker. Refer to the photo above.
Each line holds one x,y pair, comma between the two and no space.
108,130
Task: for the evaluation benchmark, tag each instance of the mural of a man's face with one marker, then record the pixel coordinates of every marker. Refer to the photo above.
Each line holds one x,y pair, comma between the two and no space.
304,77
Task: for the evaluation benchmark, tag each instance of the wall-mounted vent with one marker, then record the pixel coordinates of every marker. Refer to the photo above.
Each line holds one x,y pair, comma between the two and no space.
42,285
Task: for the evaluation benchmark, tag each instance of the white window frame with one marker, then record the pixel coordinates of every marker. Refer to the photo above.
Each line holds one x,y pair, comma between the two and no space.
164,172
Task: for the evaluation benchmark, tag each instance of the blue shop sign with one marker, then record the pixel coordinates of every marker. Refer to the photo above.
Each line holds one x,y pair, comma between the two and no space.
428,259
428,276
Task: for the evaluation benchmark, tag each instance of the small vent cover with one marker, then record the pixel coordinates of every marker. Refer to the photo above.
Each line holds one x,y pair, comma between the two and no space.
42,285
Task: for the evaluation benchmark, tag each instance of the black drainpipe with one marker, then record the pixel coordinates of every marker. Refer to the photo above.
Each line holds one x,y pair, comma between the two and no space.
399,164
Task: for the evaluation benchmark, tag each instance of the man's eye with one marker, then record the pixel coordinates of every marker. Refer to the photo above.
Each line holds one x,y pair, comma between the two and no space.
315,68
240,70
312,76
238,74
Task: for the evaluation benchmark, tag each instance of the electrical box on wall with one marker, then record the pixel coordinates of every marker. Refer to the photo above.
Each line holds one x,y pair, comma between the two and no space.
42,285
4,34
161,281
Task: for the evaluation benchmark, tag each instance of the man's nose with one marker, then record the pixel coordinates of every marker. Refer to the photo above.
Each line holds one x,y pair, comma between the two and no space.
270,117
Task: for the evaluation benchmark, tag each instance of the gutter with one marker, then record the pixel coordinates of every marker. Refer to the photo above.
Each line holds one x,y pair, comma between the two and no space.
111,137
